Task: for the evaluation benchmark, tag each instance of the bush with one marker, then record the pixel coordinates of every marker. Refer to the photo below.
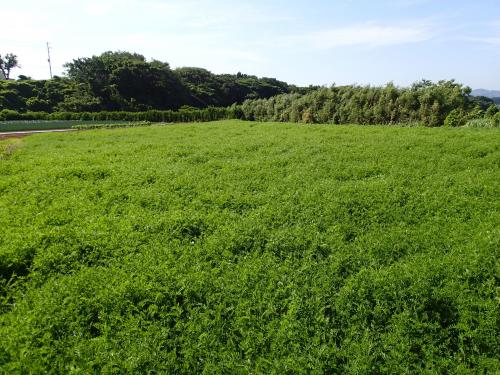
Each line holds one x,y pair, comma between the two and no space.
307,116
34,116
9,115
492,111
455,118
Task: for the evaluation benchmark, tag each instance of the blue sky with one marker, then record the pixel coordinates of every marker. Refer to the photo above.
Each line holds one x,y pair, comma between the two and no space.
301,42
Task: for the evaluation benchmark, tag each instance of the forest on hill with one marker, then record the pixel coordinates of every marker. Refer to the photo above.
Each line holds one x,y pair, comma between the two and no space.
123,81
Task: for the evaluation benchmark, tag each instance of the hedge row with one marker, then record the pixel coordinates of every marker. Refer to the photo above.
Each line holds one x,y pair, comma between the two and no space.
183,115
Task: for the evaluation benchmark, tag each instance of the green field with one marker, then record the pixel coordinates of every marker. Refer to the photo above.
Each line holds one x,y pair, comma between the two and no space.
235,247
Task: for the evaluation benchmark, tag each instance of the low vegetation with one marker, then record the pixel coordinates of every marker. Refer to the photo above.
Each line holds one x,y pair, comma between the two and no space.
7,147
112,125
244,247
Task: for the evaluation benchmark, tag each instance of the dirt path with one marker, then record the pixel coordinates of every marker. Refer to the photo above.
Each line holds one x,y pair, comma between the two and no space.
24,133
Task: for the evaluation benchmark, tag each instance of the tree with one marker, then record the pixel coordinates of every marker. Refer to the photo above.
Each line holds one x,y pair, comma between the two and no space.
126,81
8,63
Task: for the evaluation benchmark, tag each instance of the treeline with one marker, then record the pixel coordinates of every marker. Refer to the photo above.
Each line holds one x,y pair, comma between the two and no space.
125,86
182,115
424,103
123,81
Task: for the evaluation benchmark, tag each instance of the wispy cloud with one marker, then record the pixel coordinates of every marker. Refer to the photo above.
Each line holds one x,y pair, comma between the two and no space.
274,38
409,3
369,34
490,40
489,35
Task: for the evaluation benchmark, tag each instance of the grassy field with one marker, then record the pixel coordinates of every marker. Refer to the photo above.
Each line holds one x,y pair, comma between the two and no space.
235,247
12,126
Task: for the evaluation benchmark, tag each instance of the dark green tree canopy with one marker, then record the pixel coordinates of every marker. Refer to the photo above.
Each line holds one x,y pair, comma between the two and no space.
127,81
226,89
123,80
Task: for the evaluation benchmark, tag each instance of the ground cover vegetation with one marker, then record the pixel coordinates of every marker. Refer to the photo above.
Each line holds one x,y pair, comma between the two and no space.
244,247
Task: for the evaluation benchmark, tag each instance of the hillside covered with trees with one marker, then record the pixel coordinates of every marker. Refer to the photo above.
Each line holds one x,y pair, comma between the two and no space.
123,81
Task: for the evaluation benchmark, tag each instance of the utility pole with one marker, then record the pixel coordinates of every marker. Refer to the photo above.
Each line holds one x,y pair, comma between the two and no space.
50,64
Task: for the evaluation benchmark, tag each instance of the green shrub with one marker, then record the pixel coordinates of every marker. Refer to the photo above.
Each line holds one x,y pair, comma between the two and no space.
9,115
492,111
455,118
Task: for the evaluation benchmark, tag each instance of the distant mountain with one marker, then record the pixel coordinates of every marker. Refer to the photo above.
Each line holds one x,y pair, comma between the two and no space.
487,93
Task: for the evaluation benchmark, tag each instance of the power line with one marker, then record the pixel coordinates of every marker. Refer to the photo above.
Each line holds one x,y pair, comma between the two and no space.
50,64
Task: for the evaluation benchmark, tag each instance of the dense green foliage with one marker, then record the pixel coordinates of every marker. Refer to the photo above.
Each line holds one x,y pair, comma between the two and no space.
36,96
207,89
424,102
127,82
122,81
240,247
